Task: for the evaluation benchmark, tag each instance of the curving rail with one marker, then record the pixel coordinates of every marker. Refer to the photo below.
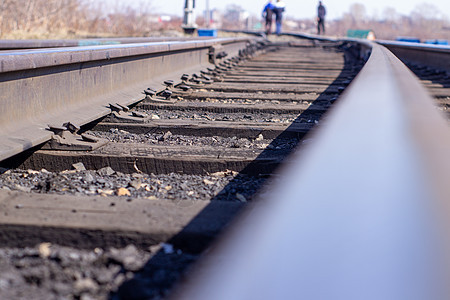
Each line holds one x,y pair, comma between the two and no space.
362,213
75,85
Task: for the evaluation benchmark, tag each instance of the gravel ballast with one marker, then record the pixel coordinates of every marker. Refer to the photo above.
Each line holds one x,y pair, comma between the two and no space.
167,138
52,272
221,186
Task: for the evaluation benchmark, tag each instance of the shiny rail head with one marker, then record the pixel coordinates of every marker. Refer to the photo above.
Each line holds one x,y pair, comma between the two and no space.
40,58
362,213
426,47
35,43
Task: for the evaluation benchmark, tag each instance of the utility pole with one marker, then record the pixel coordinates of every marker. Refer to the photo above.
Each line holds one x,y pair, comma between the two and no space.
189,25
208,15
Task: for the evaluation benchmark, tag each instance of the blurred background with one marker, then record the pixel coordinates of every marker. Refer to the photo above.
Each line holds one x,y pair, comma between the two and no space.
57,19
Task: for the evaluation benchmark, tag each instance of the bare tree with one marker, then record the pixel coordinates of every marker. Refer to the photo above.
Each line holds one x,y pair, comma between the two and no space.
427,11
390,14
50,18
358,13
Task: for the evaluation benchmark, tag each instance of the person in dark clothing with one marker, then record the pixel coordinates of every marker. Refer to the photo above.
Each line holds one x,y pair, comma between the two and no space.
321,12
278,10
267,15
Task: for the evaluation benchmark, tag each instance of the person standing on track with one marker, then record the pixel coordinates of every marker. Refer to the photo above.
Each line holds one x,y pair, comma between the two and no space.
267,15
278,10
321,12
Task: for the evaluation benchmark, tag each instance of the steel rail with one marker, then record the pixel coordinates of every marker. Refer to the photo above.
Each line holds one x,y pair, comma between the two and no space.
436,56
307,36
361,213
59,85
33,44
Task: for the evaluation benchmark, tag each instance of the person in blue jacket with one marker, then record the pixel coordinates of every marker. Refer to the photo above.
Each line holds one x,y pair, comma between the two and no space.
267,15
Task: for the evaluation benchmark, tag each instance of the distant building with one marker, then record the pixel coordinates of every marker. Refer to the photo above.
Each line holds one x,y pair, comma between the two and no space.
361,34
165,18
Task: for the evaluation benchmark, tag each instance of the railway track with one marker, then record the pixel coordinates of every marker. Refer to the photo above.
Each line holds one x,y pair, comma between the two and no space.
205,150
244,113
168,172
359,207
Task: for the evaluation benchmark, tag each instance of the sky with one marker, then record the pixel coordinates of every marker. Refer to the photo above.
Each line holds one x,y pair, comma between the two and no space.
295,8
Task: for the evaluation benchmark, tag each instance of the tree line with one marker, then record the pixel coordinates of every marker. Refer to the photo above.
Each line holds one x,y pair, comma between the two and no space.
92,18
75,18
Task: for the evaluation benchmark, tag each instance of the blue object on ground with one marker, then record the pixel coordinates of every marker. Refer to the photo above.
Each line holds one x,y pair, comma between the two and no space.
437,42
207,32
407,39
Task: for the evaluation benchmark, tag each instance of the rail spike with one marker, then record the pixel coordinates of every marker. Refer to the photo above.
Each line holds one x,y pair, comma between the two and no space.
66,138
123,113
